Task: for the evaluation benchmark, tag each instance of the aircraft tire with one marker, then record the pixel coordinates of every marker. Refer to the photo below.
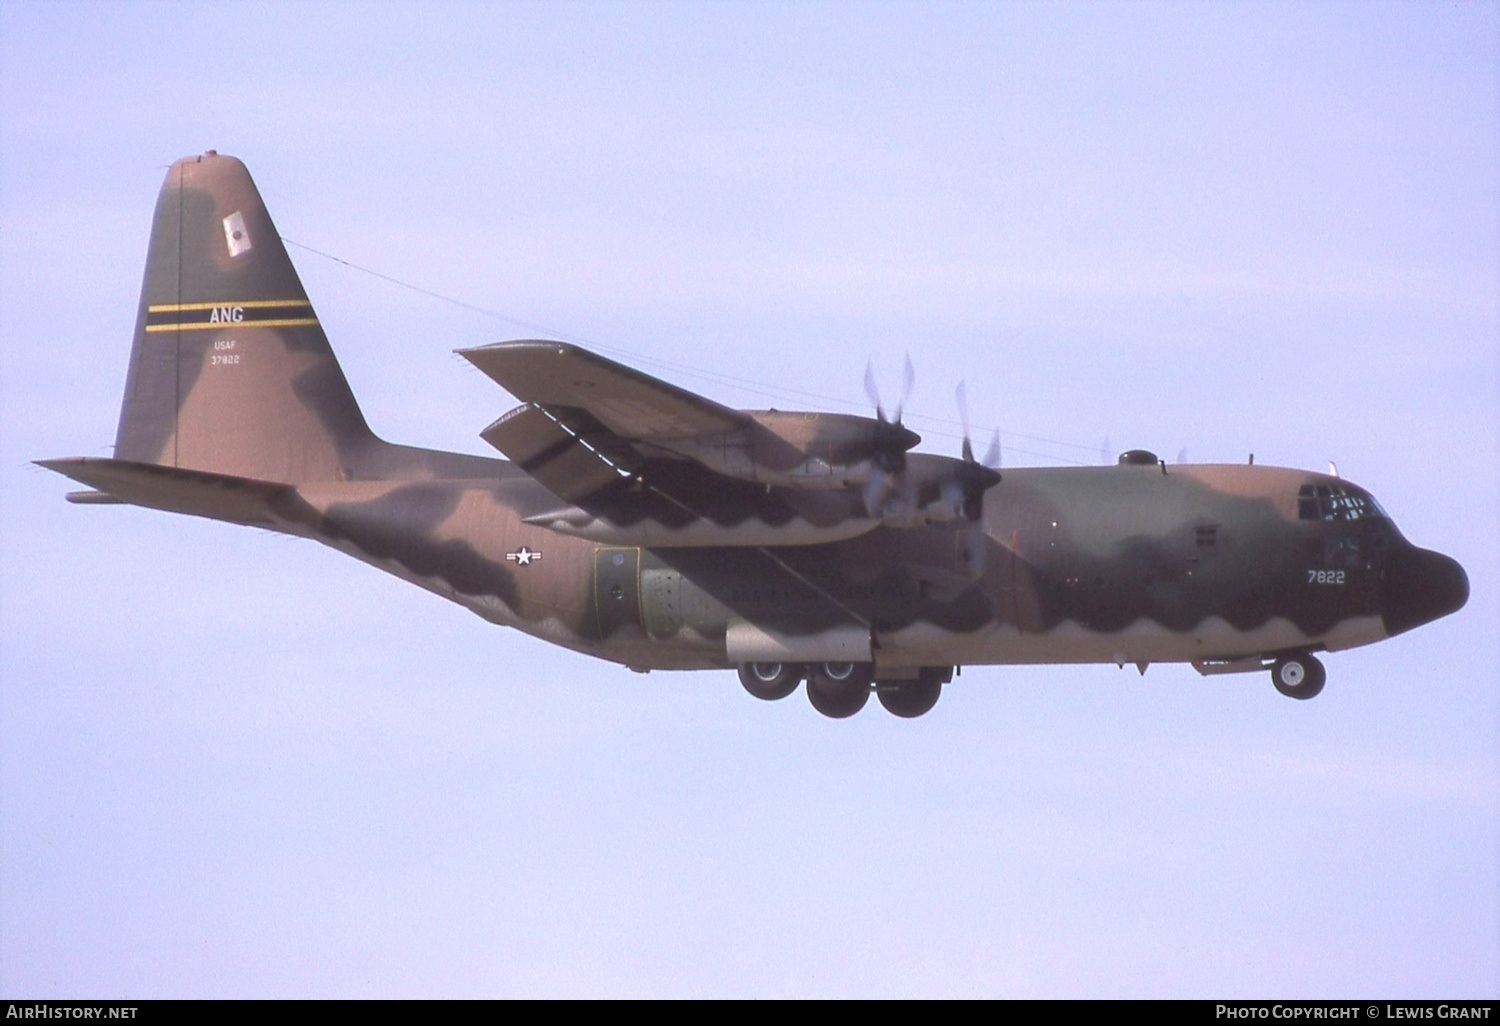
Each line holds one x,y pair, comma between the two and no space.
839,690
910,698
1299,676
771,682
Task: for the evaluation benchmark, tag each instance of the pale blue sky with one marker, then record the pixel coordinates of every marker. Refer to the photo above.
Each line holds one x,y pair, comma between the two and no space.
236,764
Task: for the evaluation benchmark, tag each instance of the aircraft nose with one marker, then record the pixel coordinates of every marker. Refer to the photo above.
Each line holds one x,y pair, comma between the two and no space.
1419,586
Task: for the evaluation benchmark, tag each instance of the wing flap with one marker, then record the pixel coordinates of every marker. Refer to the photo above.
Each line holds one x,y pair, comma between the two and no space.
564,448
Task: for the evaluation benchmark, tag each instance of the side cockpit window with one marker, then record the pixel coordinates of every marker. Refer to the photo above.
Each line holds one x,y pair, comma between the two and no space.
1335,503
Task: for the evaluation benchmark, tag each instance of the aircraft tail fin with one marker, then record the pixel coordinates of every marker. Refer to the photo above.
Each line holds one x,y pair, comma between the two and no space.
230,371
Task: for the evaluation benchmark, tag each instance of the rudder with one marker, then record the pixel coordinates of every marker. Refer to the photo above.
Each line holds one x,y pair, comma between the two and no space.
230,371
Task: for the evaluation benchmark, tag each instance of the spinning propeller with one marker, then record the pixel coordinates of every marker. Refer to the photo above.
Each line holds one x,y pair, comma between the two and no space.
888,445
938,489
964,492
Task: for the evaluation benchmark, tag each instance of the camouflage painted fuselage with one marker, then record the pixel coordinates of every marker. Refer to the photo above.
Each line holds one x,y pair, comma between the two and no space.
645,525
1112,564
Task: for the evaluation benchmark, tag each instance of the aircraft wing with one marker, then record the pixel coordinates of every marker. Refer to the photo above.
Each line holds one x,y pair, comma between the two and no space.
633,457
632,405
587,422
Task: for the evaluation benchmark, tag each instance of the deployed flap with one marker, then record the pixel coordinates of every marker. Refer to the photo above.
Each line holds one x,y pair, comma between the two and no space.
567,450
199,493
633,405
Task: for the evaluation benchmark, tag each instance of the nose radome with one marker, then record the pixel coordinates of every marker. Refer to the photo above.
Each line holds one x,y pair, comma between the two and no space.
1420,586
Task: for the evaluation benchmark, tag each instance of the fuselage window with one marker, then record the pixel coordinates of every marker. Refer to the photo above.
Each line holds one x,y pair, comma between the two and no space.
1341,549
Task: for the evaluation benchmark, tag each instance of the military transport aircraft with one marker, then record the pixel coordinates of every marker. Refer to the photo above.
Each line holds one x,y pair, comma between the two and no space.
637,522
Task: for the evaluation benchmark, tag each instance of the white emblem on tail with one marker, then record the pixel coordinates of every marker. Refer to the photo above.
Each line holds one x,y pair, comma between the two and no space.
236,235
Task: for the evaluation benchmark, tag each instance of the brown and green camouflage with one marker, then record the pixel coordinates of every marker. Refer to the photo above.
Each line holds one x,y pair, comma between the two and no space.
634,521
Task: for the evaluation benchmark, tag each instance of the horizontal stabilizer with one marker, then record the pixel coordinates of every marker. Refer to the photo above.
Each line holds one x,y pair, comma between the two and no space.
195,492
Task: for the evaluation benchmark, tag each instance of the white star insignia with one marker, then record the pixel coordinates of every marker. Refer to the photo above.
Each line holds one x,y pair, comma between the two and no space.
523,556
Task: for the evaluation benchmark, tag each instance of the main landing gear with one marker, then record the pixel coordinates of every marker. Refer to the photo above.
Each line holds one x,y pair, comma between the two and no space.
1298,675
839,690
911,698
771,681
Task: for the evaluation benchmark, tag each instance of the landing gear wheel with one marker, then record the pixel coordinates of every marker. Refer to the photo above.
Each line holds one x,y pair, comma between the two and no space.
910,699
1298,676
839,690
771,681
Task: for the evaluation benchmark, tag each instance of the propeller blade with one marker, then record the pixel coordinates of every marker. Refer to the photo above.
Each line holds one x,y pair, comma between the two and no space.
908,381
976,548
974,477
977,479
873,392
876,490
952,492
992,454
890,441
961,396
964,493
888,494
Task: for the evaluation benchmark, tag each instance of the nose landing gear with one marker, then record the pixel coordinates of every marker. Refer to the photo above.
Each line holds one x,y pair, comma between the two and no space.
1298,675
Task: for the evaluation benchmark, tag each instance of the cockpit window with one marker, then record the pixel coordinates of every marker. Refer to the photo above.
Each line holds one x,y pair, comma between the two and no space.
1335,503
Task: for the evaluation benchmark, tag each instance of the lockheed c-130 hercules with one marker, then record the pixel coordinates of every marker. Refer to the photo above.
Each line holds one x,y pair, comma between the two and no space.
637,522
